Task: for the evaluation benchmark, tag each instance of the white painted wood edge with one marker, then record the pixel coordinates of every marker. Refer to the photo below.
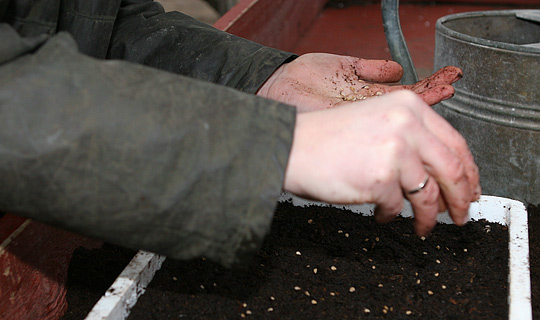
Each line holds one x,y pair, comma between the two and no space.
494,209
118,300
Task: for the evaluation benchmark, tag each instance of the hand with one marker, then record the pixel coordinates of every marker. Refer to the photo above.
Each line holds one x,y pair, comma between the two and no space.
321,81
352,155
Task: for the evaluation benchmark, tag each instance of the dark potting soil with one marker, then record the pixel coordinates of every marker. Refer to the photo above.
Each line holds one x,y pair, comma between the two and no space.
534,257
91,272
326,263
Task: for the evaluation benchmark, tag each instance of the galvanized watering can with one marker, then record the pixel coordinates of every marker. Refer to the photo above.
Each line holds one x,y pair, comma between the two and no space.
497,102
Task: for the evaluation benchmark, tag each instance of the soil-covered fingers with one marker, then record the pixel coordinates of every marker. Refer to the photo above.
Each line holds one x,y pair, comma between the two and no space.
443,76
383,71
437,94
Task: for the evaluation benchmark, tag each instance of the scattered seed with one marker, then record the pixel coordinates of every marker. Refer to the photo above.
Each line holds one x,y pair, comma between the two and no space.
438,247
416,274
377,239
243,315
378,93
422,238
366,310
315,270
438,261
430,292
364,249
270,309
436,274
298,253
443,286
373,267
244,305
385,311
333,294
297,288
202,286
408,312
248,311
465,250
380,285
352,289
346,235
310,221
174,278
272,298
424,252
417,281
307,293
340,231
313,301
333,268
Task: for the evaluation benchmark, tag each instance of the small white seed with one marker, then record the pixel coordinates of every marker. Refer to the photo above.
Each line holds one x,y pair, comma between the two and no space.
298,253
313,301
333,268
297,288
352,289
270,309
366,310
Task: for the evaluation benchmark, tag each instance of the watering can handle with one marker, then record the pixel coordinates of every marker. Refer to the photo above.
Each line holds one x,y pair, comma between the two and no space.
396,41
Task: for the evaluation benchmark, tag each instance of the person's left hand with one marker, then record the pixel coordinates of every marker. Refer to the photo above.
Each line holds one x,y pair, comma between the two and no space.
318,81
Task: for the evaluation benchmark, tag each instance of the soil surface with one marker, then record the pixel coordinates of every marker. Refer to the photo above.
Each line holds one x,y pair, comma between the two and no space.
90,274
326,263
534,249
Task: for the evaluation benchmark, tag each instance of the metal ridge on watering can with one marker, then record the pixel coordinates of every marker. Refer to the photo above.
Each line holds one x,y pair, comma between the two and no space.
496,106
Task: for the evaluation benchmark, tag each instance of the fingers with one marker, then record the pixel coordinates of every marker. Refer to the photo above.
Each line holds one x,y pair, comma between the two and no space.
384,71
450,173
437,94
458,147
443,76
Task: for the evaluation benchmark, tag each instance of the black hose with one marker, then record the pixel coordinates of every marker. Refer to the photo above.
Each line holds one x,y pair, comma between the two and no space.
396,41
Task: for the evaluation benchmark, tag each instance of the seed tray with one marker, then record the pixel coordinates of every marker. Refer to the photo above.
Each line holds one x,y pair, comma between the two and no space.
123,294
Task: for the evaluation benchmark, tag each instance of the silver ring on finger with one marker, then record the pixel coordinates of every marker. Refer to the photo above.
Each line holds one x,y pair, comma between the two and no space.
421,186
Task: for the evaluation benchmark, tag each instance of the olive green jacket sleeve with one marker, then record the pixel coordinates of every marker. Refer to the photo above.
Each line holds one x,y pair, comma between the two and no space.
137,156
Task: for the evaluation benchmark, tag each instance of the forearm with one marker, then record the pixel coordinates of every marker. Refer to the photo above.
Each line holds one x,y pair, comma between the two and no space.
172,41
139,157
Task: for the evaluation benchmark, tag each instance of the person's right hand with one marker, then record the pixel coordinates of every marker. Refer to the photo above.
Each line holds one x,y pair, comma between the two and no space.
374,154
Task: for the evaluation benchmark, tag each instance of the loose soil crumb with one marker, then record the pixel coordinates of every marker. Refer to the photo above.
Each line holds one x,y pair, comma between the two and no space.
327,263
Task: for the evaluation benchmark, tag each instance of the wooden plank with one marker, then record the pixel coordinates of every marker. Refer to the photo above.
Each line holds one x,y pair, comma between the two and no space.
278,23
485,2
34,261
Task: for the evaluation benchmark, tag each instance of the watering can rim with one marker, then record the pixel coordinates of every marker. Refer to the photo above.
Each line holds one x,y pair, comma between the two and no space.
441,28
